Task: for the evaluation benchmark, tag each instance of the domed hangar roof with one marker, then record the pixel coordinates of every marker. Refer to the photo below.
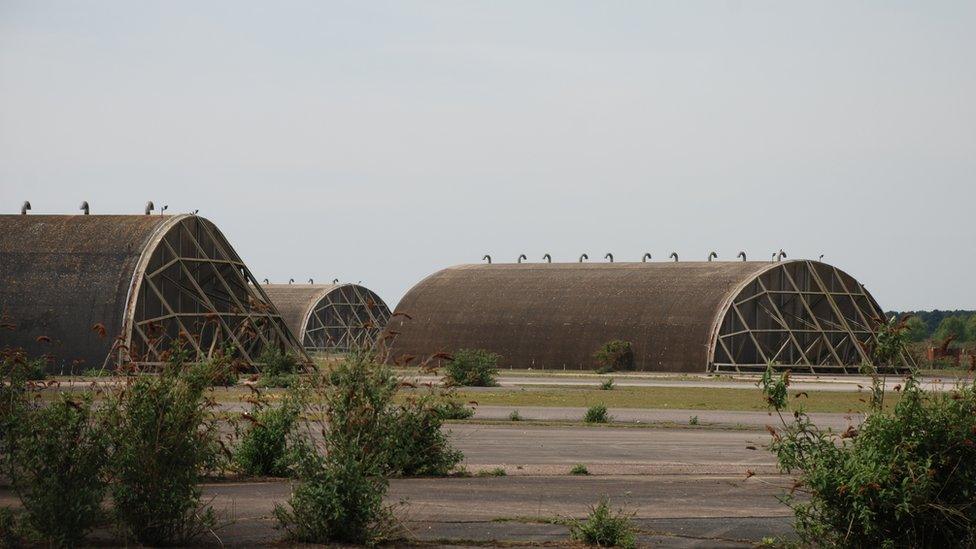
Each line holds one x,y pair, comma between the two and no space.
91,290
678,316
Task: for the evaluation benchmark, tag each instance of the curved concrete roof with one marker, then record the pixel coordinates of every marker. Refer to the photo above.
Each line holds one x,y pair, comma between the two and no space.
557,315
62,274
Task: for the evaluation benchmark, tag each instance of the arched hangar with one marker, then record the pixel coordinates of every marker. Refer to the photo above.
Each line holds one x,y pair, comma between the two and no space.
330,318
679,317
93,290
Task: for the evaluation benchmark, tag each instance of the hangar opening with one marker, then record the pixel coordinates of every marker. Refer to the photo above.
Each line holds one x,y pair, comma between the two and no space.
92,290
679,317
330,318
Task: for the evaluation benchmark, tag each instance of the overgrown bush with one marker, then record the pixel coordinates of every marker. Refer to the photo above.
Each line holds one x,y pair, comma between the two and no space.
164,437
472,368
607,385
279,369
418,446
613,356
56,465
341,482
264,448
515,416
597,414
901,479
604,528
449,407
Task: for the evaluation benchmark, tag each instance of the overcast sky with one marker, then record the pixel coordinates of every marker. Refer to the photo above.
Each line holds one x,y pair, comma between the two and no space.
380,142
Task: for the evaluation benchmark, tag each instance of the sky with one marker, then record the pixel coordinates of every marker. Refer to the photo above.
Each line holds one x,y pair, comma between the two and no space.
382,141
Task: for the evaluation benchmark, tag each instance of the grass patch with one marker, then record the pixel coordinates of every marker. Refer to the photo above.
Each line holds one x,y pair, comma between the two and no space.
496,472
682,398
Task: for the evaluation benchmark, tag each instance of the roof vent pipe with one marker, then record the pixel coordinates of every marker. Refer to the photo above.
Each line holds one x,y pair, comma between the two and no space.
583,257
310,281
548,258
487,258
646,257
266,281
674,255
291,280
742,255
609,256
25,207
164,208
150,207
820,258
84,207
780,255
335,280
521,257
712,256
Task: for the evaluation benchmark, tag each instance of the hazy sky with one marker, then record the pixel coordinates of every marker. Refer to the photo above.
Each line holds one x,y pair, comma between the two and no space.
382,141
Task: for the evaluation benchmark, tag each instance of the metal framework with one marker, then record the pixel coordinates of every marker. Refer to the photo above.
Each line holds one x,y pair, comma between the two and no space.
190,285
348,317
805,315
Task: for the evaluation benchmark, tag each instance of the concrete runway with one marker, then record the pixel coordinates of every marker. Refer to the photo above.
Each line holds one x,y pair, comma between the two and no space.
685,488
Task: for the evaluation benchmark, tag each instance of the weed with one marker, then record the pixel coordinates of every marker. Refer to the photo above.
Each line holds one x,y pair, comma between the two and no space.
693,420
494,472
472,368
579,469
515,416
57,468
164,437
263,449
607,385
452,408
597,414
417,445
604,528
903,479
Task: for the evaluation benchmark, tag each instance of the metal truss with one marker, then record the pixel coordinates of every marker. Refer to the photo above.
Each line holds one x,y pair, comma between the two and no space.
349,317
192,287
805,315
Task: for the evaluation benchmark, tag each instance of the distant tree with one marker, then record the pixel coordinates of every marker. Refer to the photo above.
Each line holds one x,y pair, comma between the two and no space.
952,326
917,329
971,328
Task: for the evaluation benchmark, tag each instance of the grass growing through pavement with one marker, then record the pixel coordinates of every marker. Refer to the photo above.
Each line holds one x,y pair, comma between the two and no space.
682,398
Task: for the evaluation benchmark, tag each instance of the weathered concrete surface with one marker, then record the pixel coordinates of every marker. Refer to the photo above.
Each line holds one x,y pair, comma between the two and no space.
686,488
720,418
673,511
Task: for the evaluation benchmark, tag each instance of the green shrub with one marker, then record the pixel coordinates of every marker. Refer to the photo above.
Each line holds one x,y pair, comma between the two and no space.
515,416
614,355
164,437
902,479
263,449
56,466
579,469
604,528
341,479
452,408
693,420
597,414
417,445
472,368
9,531
278,369
96,372
607,385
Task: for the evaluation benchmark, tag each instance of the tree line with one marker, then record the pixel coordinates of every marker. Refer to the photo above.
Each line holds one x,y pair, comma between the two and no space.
939,325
